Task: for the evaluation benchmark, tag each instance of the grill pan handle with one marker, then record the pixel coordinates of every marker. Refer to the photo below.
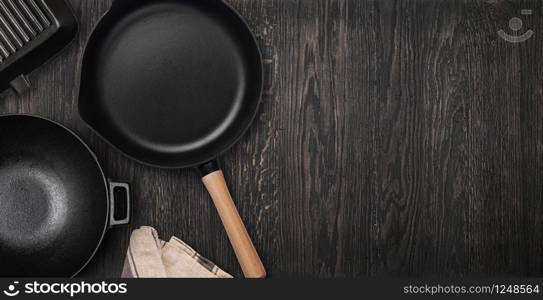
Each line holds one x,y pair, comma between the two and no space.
119,204
20,85
213,179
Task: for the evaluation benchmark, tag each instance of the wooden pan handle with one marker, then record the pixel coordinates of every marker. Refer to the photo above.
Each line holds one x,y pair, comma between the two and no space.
237,233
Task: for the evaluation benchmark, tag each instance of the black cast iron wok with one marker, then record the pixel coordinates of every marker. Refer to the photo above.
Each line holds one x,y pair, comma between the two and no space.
172,84
55,203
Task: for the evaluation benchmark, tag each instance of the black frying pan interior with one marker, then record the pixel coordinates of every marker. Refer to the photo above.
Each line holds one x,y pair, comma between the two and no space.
171,83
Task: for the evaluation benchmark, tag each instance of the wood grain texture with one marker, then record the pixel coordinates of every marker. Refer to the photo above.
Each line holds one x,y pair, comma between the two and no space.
396,138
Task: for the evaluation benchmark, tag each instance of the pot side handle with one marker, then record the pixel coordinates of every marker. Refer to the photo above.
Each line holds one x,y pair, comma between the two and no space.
119,204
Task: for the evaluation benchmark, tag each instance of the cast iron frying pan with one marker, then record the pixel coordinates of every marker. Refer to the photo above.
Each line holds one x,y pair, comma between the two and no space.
173,84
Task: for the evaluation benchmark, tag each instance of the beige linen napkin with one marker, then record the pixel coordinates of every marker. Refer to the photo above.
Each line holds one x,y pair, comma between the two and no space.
150,257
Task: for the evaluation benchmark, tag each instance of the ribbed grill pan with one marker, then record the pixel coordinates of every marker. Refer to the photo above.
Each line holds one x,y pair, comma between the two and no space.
31,31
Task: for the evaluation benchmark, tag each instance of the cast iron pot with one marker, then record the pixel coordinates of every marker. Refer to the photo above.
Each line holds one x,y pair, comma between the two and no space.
55,202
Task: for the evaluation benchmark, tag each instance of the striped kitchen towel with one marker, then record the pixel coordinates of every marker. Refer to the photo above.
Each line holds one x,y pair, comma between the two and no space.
150,257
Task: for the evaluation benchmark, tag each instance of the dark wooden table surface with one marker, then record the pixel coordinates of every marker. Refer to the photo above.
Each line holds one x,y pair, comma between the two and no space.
396,138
